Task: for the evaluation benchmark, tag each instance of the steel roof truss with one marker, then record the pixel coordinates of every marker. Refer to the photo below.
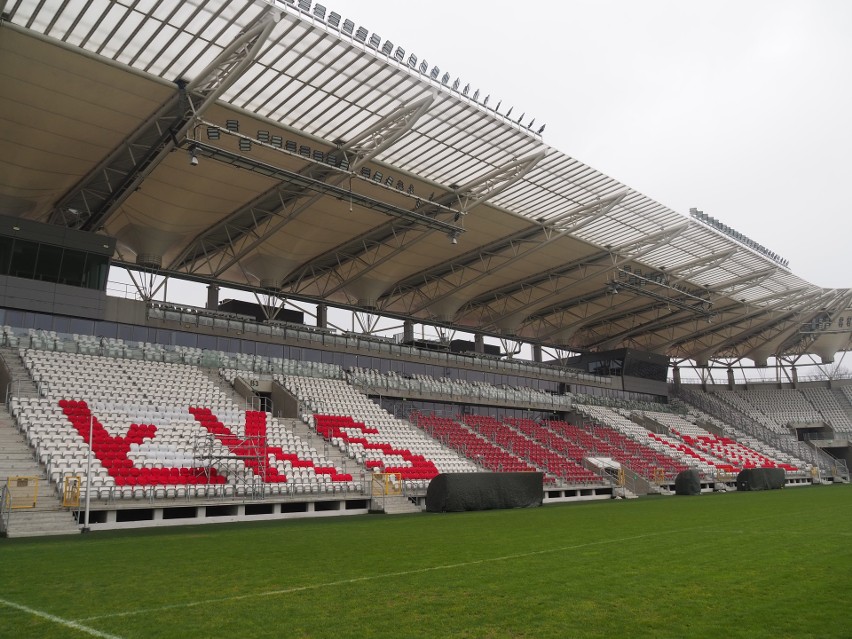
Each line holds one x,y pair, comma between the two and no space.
90,204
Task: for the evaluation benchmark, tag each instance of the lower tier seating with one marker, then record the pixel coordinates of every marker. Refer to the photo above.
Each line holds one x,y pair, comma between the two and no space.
150,438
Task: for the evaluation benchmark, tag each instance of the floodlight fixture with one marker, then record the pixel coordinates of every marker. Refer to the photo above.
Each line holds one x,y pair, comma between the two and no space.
213,133
232,125
245,144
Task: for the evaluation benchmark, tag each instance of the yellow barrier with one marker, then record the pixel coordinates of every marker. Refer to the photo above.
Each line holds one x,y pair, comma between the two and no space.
386,484
21,492
71,491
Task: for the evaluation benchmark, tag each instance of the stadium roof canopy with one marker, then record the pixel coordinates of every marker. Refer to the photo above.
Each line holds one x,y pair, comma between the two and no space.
280,146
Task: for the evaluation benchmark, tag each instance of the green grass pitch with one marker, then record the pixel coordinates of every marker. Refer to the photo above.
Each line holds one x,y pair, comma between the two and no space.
772,564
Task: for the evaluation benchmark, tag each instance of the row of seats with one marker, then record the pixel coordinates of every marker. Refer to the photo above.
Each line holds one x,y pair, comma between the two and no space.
784,447
739,455
373,437
475,447
599,441
149,431
477,391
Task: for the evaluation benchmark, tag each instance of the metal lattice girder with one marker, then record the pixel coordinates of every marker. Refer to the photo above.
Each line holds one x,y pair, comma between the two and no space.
675,319
526,298
488,186
248,227
98,195
833,299
388,130
354,260
434,285
692,269
679,300
775,331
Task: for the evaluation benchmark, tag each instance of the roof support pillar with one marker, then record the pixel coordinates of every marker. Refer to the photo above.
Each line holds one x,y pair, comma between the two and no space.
212,296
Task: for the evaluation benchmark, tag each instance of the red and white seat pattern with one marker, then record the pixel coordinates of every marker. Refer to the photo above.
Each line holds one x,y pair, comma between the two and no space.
555,464
161,430
603,441
472,445
373,437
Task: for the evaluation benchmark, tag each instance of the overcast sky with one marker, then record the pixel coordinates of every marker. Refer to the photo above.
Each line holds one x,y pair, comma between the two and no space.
739,108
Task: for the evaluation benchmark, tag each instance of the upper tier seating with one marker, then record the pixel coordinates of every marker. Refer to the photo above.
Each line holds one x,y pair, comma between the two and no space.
472,392
828,405
774,408
160,430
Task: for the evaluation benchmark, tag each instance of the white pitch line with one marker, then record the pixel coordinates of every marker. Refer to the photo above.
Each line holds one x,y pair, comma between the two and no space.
68,623
402,573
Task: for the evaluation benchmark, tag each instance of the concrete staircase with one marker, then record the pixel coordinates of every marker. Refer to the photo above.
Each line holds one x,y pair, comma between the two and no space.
21,384
331,453
48,517
298,427
394,505
225,387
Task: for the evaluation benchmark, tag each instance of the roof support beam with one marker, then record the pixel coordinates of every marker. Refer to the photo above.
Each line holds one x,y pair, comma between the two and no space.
492,262
244,235
91,203
531,304
677,319
261,218
367,252
388,130
810,302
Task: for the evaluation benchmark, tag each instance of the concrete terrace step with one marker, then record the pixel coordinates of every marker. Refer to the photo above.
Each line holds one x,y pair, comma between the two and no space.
16,459
332,453
394,505
35,523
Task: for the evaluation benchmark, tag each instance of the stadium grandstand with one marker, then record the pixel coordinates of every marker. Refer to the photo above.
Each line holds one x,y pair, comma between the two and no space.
402,282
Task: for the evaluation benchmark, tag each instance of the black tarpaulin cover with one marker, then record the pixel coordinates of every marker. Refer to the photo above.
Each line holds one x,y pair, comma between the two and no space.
457,492
761,479
688,482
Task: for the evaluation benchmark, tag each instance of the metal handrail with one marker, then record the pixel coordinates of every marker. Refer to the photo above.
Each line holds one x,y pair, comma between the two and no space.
5,509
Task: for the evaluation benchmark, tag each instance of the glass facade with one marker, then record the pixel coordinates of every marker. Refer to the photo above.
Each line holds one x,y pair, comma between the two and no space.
244,344
48,263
